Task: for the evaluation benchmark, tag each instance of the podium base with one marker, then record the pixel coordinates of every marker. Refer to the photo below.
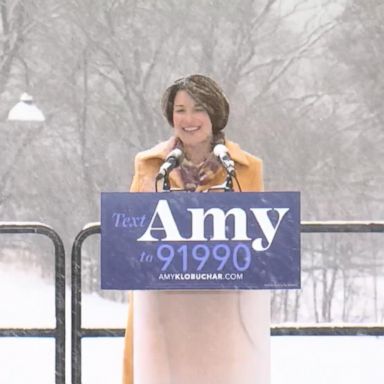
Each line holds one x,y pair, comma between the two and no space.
189,337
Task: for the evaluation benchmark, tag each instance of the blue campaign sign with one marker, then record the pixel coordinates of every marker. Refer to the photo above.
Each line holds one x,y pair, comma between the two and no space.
181,240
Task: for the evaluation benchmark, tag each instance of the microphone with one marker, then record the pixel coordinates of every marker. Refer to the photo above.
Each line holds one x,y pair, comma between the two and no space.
172,161
221,152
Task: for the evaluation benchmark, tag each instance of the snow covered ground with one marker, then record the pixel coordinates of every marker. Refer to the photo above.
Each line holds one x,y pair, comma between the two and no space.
28,301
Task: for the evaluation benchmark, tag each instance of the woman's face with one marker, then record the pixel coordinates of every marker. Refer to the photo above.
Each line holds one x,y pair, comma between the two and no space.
190,120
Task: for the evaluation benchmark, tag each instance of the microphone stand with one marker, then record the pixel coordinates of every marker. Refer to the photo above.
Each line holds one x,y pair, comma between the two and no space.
227,186
166,184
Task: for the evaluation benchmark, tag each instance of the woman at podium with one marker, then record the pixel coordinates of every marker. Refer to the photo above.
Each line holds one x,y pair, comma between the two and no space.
205,337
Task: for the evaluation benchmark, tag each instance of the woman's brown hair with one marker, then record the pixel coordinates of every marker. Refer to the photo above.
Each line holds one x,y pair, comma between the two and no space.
205,92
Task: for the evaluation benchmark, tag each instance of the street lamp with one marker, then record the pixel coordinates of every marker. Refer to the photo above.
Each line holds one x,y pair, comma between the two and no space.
25,110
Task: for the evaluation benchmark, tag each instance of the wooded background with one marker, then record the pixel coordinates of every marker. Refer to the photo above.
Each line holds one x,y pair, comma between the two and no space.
305,81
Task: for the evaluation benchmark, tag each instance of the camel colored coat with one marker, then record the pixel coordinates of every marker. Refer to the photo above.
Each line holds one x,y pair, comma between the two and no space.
249,174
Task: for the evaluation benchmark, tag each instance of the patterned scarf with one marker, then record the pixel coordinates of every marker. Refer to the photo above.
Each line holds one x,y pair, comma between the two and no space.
201,174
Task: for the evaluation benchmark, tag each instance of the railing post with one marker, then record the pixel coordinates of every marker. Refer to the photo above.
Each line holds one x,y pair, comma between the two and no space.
76,331
59,332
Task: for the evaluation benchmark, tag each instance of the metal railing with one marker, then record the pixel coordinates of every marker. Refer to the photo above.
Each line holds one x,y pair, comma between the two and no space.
78,332
58,333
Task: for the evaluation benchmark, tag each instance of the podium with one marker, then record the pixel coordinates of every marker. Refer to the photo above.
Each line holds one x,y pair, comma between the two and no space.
201,267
